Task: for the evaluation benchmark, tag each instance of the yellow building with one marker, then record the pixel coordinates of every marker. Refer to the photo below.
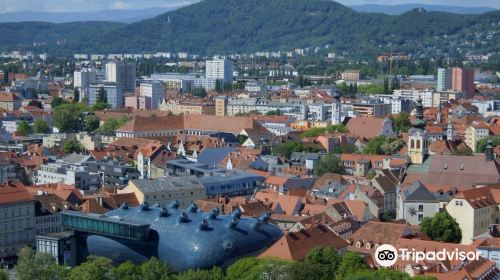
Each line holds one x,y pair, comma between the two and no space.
475,210
188,107
474,133
221,106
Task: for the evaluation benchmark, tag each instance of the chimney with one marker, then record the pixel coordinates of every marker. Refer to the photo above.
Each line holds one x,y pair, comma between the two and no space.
489,151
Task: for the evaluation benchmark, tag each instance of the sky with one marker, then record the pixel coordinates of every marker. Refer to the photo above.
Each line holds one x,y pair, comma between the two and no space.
88,5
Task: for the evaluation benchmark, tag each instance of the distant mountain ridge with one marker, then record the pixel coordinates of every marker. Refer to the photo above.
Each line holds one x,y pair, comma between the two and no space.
230,26
401,9
124,16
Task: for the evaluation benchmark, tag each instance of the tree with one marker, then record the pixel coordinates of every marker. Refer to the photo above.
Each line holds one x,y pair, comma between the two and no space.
76,95
395,84
481,144
3,275
385,274
126,271
69,117
23,128
91,123
102,96
41,126
250,268
154,270
199,92
464,151
111,125
321,263
401,122
329,164
35,103
442,227
242,138
99,106
32,265
95,268
215,273
71,146
274,113
56,102
351,263
382,145
5,76
286,149
386,86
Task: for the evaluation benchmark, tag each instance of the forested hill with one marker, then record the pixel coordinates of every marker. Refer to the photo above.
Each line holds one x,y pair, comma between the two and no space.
223,26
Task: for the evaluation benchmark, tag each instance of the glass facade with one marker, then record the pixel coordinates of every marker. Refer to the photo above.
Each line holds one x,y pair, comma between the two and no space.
106,227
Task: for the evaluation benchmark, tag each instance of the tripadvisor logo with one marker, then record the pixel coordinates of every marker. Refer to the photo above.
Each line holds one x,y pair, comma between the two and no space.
386,255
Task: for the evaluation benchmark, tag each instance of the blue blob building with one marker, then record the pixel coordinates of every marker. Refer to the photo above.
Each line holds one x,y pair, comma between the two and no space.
184,238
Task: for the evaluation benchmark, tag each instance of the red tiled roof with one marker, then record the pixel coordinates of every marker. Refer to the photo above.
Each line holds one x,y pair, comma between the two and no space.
296,245
14,192
365,127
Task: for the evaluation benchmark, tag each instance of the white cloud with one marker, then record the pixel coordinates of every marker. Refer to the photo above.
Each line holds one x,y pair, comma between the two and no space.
120,5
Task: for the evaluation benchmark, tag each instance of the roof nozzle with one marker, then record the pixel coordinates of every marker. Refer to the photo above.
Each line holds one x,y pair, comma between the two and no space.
183,218
215,212
174,204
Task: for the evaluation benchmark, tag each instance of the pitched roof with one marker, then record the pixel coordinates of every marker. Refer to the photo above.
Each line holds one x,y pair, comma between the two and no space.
481,197
365,127
379,233
417,192
13,193
290,205
8,97
296,245
327,179
455,171
217,123
153,123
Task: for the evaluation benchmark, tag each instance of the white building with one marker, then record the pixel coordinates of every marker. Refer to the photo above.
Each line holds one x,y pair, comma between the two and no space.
58,172
155,91
219,68
413,94
444,79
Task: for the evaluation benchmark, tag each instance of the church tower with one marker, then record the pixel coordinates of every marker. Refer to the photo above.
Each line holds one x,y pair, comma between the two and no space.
336,108
417,136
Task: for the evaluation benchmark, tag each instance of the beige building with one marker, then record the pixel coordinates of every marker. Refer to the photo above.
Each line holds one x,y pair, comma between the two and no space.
17,219
351,75
221,106
184,189
188,107
9,101
475,210
474,133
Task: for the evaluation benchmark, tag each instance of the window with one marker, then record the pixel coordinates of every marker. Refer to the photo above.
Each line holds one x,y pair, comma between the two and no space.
420,208
412,145
458,203
418,144
420,217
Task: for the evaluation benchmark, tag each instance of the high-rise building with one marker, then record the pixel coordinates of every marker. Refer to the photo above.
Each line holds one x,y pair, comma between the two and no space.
444,79
122,73
114,94
336,109
155,91
463,80
219,68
